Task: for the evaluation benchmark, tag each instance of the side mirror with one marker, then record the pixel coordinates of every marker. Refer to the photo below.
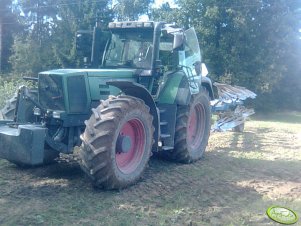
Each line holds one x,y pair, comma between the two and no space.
200,69
204,70
178,41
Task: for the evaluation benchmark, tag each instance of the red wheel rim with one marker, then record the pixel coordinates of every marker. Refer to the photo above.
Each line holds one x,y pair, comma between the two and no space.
134,131
196,127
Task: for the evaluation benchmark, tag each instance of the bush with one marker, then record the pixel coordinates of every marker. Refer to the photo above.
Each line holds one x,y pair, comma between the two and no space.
8,86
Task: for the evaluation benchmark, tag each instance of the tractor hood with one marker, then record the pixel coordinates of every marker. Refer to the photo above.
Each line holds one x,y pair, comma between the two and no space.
107,73
72,88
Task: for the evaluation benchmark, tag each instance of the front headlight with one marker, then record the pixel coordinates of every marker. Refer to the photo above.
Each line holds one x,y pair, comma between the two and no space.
37,111
56,114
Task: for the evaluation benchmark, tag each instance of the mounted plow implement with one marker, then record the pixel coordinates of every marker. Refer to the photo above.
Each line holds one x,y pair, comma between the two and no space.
229,107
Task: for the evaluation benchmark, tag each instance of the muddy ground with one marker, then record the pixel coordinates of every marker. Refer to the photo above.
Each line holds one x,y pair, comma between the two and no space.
240,176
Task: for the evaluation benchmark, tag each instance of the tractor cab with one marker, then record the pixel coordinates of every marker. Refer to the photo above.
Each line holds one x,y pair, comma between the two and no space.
130,46
154,49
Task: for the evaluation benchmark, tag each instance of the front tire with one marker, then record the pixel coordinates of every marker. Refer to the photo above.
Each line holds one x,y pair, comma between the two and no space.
192,129
117,141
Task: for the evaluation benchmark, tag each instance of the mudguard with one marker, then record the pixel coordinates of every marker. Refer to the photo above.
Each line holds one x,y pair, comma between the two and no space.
207,83
176,89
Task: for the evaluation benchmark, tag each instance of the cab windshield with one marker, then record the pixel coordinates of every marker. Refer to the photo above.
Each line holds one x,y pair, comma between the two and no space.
130,48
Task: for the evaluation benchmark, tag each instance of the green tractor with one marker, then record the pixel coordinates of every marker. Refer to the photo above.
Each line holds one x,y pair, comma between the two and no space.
142,92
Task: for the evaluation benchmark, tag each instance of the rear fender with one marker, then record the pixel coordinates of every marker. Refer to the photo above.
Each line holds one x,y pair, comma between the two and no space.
176,89
207,83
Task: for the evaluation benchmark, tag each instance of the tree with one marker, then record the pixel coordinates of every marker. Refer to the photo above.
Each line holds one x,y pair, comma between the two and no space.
29,57
253,43
81,15
51,26
38,17
131,9
247,43
49,39
165,13
32,48
8,26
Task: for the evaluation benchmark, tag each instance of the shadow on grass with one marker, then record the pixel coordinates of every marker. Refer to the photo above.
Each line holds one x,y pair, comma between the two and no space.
61,170
215,168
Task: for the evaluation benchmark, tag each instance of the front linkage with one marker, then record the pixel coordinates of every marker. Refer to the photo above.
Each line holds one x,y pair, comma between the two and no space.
31,136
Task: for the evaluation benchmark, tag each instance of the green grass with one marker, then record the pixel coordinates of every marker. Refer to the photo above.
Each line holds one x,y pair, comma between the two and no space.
282,117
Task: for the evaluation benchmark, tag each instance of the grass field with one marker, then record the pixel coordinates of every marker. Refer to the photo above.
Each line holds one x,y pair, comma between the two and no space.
240,176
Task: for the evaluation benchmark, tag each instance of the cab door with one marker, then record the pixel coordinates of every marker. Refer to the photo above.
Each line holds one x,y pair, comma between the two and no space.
189,56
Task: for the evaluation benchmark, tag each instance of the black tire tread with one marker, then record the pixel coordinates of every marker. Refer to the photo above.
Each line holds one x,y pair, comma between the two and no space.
181,152
95,151
8,110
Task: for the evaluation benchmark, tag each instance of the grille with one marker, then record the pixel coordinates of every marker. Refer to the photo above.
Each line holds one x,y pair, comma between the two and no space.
51,94
77,94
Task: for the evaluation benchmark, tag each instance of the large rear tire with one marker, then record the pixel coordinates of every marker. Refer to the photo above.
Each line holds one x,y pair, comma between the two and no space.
8,111
192,129
117,142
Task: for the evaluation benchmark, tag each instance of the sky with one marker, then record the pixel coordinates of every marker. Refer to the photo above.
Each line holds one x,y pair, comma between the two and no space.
157,4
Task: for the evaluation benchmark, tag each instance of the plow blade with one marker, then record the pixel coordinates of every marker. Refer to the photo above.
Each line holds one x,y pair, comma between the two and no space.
231,119
229,106
228,93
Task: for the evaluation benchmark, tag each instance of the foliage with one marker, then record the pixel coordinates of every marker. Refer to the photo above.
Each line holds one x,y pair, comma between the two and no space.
81,15
8,88
8,26
165,13
29,57
250,43
131,9
253,43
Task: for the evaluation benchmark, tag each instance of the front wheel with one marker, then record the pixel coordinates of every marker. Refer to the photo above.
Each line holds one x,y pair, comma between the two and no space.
192,129
117,141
